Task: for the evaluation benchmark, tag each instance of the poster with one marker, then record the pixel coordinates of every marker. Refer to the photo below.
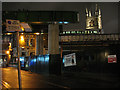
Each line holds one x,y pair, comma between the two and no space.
69,60
112,59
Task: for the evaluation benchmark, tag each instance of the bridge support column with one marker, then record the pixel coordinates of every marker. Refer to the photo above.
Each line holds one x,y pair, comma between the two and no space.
39,45
53,49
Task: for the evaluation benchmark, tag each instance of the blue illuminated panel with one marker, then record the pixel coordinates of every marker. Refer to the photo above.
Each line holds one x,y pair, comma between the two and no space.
47,58
22,61
65,22
63,60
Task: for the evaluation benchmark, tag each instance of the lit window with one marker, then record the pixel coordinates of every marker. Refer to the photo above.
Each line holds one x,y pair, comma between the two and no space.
67,32
82,32
78,32
94,31
73,32
88,32
85,32
63,32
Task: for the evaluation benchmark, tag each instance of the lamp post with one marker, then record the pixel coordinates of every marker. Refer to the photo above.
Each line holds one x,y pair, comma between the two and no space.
19,72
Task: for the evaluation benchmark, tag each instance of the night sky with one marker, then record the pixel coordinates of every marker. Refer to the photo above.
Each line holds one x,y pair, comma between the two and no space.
109,11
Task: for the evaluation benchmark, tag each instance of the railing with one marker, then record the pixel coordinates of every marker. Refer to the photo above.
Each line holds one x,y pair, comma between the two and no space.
89,37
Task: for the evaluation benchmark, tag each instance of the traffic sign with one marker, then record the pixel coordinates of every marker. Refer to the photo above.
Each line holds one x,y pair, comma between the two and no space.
26,27
13,25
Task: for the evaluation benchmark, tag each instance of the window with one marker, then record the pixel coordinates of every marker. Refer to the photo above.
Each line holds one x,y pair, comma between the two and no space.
27,42
67,32
23,54
78,32
88,32
73,32
94,31
82,32
63,32
31,42
85,32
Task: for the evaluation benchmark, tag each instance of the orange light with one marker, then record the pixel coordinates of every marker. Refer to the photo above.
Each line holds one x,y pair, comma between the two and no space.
23,47
37,33
22,29
9,33
37,22
8,52
22,40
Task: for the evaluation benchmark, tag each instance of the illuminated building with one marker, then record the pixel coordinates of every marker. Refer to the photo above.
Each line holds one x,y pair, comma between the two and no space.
94,22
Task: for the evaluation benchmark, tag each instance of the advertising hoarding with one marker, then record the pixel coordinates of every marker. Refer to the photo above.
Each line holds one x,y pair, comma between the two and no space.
112,59
69,60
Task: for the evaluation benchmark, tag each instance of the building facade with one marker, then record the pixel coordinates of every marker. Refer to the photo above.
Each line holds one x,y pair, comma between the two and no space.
94,22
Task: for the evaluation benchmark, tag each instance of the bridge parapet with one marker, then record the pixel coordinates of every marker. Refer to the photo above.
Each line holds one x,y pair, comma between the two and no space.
89,37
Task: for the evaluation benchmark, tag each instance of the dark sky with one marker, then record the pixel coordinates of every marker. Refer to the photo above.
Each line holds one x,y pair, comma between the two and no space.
109,11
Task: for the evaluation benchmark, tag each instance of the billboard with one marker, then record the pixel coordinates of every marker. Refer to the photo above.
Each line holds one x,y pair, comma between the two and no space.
112,59
69,60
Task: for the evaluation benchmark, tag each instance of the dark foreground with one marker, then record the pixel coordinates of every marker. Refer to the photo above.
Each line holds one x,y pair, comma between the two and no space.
67,80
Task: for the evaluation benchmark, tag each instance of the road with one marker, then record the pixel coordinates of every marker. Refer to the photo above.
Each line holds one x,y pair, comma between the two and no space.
29,80
66,81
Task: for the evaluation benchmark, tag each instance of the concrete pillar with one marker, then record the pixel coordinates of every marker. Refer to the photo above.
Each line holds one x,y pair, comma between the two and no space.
53,39
53,49
39,45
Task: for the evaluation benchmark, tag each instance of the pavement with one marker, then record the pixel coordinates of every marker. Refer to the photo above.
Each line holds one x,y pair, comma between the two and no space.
67,80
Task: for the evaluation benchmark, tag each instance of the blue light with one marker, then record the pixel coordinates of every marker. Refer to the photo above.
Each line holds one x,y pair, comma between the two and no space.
42,58
21,58
60,22
22,61
38,58
47,58
34,59
63,60
65,22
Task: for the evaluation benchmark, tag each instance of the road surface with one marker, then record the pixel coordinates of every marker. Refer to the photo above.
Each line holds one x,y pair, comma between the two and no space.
66,81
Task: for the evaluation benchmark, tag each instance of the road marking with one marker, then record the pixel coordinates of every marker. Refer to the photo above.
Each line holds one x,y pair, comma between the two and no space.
5,84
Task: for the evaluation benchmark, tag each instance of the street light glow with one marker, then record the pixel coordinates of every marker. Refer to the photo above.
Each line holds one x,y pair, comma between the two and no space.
37,33
9,33
8,52
22,40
